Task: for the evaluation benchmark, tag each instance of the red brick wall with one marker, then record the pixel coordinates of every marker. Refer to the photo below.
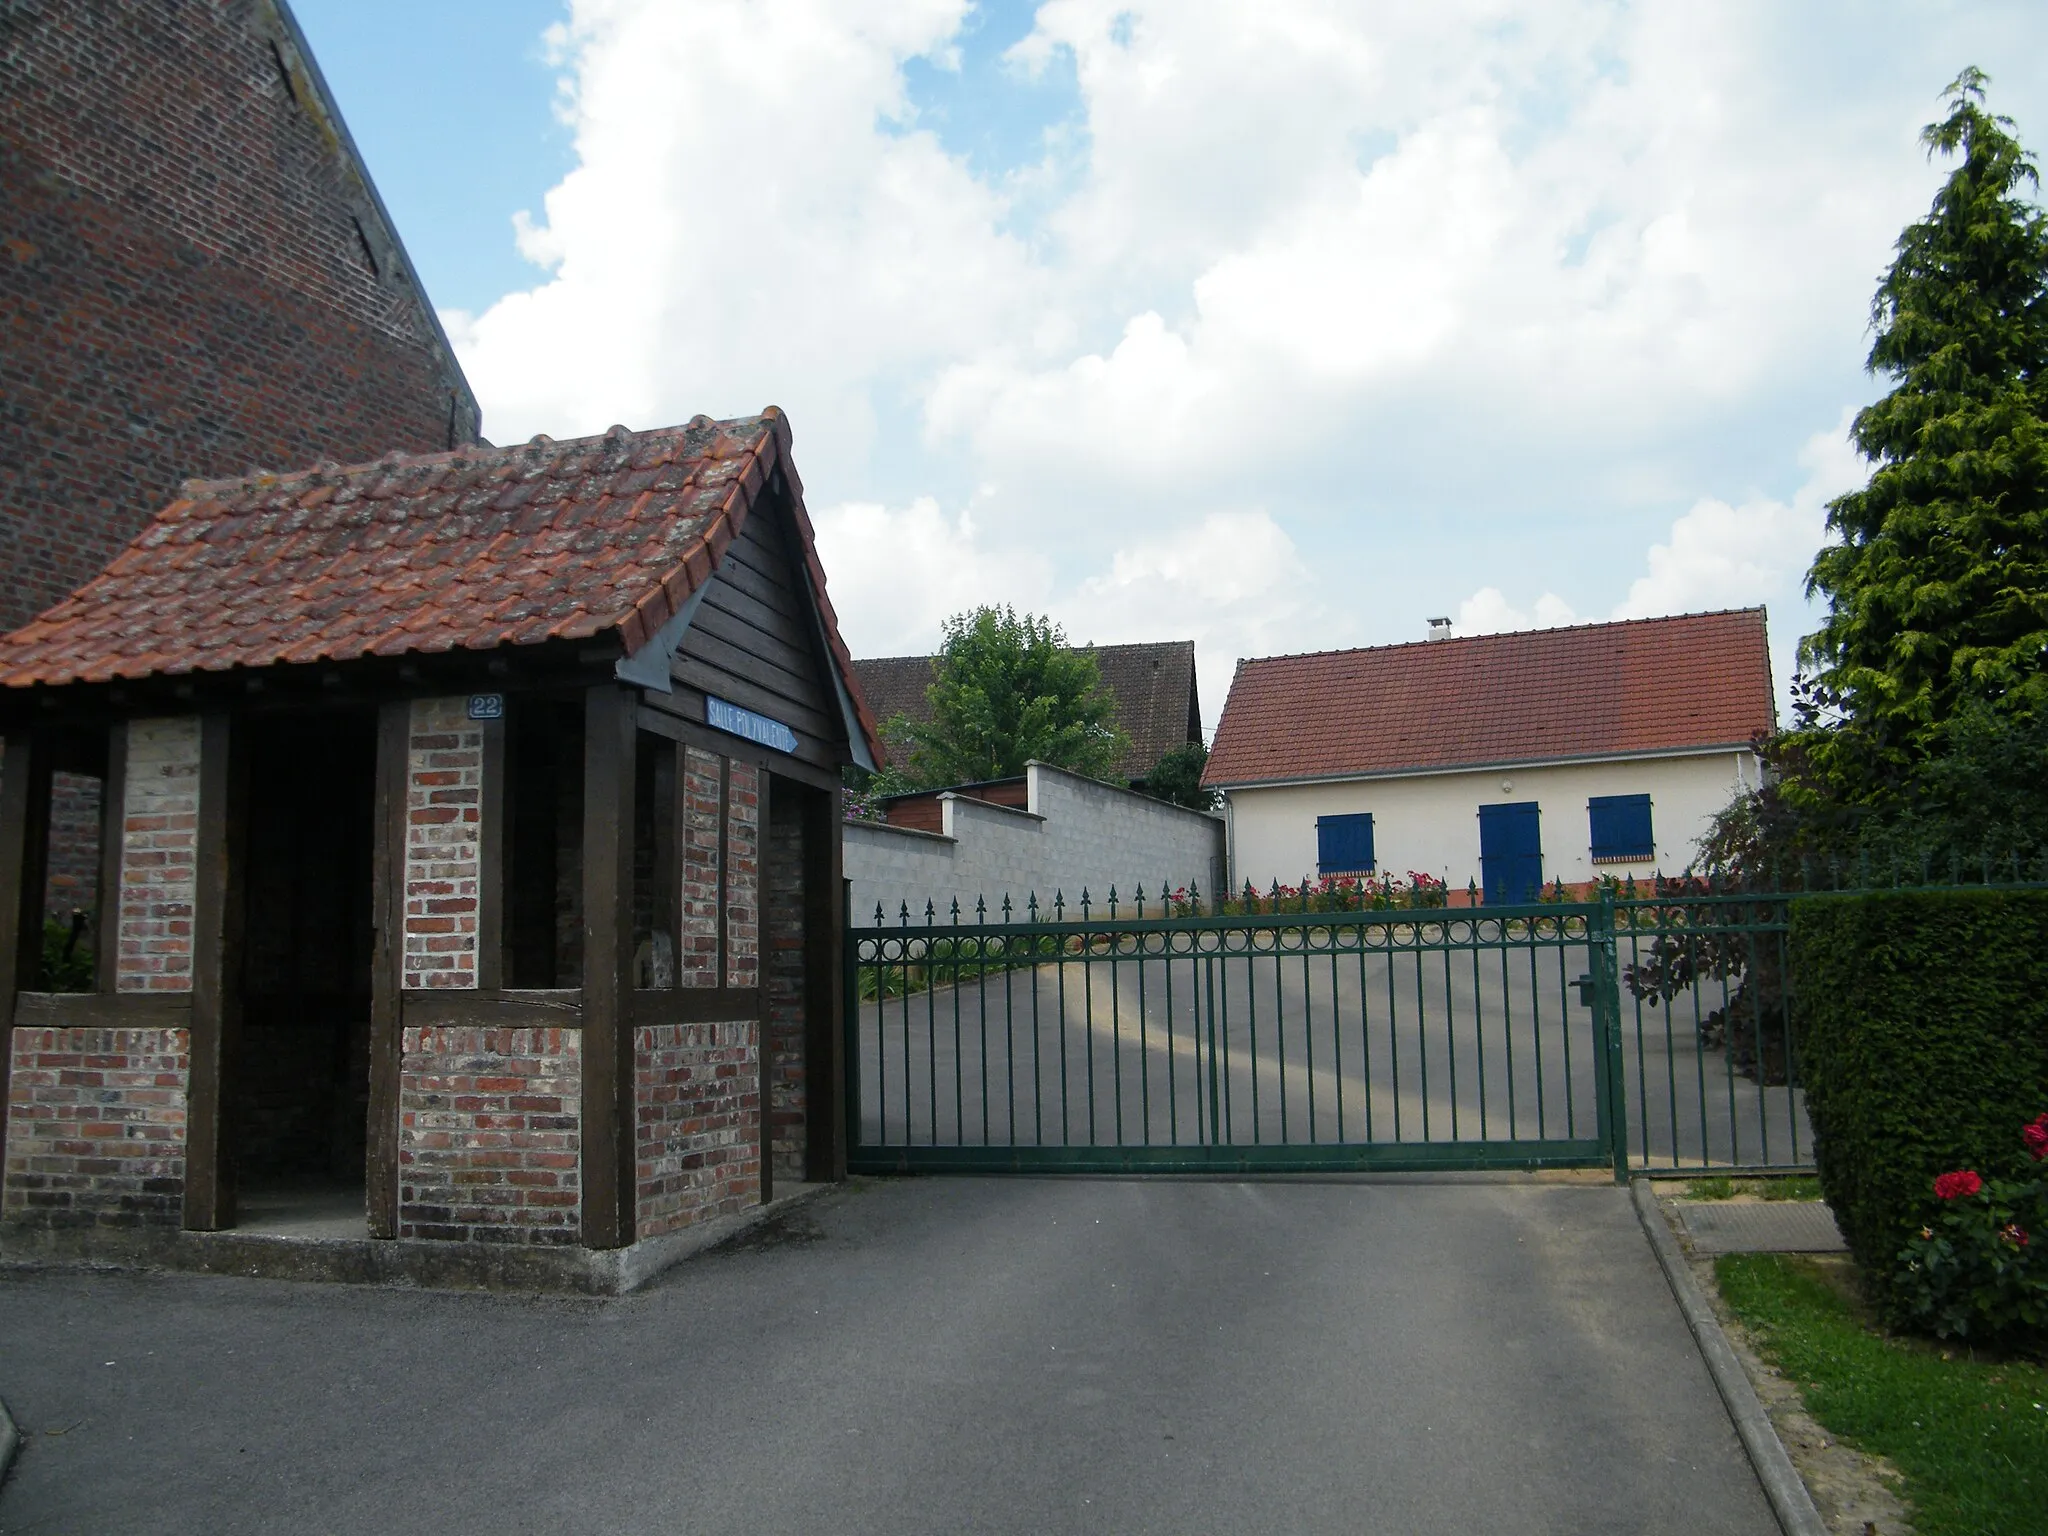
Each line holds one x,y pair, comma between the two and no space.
96,1127
159,853
490,1134
443,844
182,281
697,1120
785,982
697,846
742,875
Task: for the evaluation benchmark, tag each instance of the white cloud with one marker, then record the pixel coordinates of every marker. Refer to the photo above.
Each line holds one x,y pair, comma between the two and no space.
754,218
1234,584
1488,612
1719,555
1313,309
895,574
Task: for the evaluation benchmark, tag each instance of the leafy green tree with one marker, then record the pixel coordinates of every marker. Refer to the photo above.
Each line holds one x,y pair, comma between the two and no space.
1937,586
1178,777
1008,691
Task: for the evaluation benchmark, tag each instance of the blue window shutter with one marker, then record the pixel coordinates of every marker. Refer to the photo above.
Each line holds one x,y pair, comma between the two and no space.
1621,827
1344,844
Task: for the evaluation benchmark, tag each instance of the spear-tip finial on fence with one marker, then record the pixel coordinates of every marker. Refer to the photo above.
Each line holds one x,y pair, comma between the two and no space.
879,918
981,909
1031,905
931,913
1194,898
956,911
904,918
1059,905
1084,903
1006,906
1112,903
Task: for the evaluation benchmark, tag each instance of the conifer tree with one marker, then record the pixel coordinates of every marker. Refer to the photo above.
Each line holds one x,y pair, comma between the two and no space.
1937,583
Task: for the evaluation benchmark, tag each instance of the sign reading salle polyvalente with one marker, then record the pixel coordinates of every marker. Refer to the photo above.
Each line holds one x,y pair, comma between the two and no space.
722,716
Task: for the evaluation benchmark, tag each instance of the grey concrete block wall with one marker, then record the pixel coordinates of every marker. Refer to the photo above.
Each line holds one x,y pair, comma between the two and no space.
1077,833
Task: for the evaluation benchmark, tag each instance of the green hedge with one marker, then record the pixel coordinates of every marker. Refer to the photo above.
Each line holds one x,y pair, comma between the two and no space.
1921,1020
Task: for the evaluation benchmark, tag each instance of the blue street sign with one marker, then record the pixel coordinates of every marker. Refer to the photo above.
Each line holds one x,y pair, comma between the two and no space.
744,722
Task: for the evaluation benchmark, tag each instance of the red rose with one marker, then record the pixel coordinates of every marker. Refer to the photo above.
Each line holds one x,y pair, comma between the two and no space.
1952,1186
2036,1137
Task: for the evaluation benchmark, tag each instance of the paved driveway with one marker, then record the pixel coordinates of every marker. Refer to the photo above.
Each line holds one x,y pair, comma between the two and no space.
939,1355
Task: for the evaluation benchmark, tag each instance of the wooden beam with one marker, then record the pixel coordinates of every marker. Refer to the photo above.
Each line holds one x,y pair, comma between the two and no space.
113,824
24,817
609,781
491,962
387,966
216,974
825,1106
103,1010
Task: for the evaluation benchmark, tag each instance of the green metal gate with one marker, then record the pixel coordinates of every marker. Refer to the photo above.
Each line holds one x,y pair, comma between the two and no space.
1089,1038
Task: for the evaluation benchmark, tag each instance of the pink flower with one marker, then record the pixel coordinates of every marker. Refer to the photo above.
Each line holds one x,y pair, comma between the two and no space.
1951,1186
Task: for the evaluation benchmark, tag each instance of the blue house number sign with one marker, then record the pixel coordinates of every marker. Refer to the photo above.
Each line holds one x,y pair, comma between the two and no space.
487,706
744,722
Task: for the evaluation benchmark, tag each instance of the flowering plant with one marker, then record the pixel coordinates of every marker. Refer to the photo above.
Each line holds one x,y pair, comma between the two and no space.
1974,1271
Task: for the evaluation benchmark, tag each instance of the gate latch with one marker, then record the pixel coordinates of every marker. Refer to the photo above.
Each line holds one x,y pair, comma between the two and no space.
1584,982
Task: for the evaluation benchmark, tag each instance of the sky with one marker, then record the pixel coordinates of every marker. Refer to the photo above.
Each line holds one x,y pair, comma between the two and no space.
1279,326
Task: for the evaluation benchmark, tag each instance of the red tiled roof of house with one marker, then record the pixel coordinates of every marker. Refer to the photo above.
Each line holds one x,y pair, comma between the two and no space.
420,553
1595,690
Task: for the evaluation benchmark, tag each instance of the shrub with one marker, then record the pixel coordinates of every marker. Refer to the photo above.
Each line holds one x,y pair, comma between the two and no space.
1921,1025
1975,1271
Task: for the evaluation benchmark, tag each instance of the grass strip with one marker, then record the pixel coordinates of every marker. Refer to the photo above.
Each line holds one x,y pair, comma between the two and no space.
1970,1436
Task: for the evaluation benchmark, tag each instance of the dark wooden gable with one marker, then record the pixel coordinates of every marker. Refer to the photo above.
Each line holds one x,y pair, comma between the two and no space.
754,641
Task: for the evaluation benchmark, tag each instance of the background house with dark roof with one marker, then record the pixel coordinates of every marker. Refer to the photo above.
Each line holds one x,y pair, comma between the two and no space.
1157,703
1506,759
471,858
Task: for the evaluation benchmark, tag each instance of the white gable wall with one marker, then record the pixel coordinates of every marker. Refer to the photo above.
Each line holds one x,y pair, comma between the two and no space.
1430,822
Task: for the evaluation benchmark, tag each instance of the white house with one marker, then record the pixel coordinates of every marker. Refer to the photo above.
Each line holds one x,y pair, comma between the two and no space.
1507,760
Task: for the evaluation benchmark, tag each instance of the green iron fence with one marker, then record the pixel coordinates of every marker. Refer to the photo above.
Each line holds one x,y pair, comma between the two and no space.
1116,1037
1649,1029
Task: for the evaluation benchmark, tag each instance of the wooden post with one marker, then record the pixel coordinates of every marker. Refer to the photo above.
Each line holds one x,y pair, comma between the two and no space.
610,729
113,826
387,966
491,966
216,974
24,838
825,1106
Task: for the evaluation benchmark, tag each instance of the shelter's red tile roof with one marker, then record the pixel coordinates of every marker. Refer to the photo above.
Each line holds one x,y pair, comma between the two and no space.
1596,690
419,553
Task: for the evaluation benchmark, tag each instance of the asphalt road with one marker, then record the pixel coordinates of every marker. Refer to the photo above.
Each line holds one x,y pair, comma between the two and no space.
937,1355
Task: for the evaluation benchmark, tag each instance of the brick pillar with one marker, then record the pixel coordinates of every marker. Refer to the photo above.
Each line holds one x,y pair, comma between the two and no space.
443,845
159,852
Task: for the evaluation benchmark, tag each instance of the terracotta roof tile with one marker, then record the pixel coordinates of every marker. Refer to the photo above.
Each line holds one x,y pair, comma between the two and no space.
472,549
1644,685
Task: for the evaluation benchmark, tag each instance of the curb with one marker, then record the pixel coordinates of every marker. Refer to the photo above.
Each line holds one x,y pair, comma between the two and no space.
1789,1500
388,1261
